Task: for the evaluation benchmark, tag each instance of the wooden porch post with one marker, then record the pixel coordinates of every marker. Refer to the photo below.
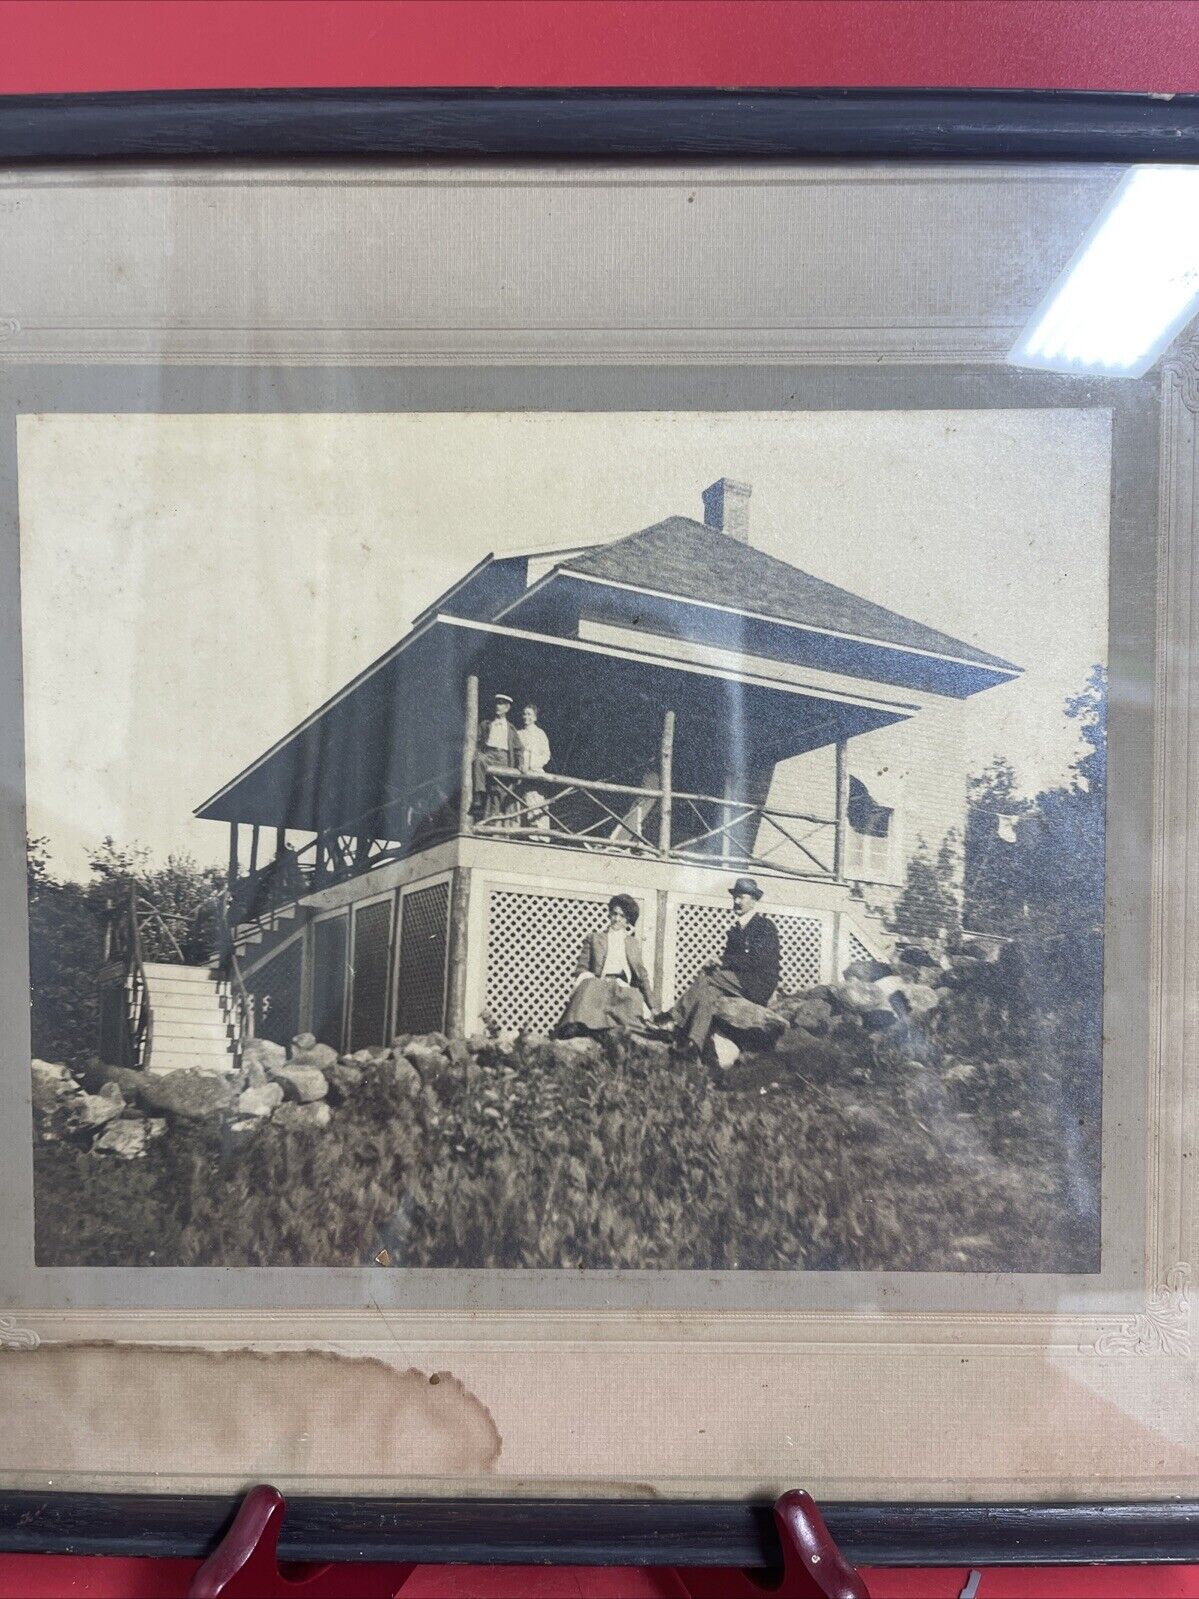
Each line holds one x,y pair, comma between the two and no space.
455,988
666,780
470,736
726,814
842,800
232,856
280,841
254,849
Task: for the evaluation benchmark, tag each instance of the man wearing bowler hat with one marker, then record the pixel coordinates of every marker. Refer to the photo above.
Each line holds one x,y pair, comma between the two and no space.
748,969
497,745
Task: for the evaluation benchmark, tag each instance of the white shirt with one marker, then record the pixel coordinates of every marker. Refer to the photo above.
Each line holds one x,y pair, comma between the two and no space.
534,748
746,916
616,961
497,733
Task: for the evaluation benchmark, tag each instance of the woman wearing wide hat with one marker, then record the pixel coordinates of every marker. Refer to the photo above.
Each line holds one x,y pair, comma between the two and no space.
612,987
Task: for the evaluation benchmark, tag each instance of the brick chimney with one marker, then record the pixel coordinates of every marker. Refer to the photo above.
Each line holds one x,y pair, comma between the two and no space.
726,508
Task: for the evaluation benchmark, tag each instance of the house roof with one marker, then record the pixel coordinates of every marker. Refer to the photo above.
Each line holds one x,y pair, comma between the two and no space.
688,559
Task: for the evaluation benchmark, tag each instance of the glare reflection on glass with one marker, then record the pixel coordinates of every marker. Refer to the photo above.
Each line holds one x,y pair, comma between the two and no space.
1132,285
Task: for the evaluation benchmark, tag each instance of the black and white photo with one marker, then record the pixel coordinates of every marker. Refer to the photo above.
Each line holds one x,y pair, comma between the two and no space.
661,840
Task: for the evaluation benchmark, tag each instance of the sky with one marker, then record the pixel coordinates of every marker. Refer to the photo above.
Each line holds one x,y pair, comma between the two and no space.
192,586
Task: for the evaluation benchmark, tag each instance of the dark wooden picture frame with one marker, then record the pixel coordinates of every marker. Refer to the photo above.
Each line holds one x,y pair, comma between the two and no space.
591,125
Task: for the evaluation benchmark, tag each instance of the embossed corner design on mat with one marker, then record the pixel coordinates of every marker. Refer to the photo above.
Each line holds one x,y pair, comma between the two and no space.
9,327
1162,1328
1184,365
14,1337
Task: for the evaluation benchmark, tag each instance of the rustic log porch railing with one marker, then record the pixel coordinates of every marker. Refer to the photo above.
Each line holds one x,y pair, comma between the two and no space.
623,819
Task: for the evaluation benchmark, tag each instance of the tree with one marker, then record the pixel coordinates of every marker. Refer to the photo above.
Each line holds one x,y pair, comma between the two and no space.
1046,879
176,907
64,956
1041,890
929,904
176,902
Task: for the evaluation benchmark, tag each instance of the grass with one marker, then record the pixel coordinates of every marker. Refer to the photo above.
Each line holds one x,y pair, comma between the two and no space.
850,1151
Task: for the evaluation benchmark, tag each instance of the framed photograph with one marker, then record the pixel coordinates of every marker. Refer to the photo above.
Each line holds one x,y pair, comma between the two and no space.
598,900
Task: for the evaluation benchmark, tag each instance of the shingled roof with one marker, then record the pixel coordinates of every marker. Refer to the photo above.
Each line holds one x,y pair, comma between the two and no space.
687,559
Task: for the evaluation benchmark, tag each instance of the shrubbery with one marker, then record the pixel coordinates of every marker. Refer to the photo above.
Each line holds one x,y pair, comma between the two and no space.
842,1149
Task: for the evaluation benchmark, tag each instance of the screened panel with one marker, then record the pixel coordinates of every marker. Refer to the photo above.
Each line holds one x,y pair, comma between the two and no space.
368,986
420,982
276,990
114,1024
329,979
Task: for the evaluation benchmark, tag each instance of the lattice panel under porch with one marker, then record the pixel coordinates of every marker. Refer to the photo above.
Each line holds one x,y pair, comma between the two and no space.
858,950
420,986
533,943
699,933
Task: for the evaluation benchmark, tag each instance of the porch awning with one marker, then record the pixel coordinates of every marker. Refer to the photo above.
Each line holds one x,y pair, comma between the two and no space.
398,728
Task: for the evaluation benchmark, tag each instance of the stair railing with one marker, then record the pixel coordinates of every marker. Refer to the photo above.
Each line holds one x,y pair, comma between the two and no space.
123,948
230,968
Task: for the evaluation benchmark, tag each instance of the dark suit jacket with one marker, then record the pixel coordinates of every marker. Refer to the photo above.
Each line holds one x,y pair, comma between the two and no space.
595,951
513,746
752,952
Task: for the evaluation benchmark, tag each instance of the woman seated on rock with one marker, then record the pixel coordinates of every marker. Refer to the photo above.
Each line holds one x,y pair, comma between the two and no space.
612,987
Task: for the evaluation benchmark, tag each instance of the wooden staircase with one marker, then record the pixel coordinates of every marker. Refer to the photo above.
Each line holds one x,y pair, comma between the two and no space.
254,942
194,1026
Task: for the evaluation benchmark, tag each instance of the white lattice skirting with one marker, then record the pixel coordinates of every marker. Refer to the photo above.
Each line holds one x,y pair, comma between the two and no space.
533,938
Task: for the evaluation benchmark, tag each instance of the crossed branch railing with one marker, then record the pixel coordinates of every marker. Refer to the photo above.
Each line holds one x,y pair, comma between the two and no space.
738,831
617,818
539,805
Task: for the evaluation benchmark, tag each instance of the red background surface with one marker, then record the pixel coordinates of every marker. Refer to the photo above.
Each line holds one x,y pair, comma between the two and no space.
57,1577
60,46
72,45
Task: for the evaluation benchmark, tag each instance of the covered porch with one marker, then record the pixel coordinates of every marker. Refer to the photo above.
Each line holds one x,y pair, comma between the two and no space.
654,758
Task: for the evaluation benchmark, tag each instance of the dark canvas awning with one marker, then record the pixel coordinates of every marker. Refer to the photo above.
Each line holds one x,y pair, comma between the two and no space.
398,728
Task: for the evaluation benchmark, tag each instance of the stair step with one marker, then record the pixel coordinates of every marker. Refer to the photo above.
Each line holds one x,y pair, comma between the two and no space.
162,1065
191,993
164,1030
201,1056
201,1005
181,974
204,1044
157,984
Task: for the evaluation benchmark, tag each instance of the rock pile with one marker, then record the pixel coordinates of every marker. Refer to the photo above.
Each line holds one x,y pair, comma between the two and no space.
872,996
116,1111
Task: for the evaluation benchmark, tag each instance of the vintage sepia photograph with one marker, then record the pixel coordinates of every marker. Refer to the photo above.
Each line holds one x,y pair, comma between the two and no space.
653,840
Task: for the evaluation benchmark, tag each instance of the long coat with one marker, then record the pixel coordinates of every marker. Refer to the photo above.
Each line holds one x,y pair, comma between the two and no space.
752,952
594,953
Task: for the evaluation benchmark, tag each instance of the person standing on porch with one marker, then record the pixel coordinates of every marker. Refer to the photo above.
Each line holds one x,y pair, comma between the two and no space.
496,746
534,756
748,969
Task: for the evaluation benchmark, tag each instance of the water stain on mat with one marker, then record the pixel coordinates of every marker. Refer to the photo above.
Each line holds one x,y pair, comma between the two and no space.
88,1407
